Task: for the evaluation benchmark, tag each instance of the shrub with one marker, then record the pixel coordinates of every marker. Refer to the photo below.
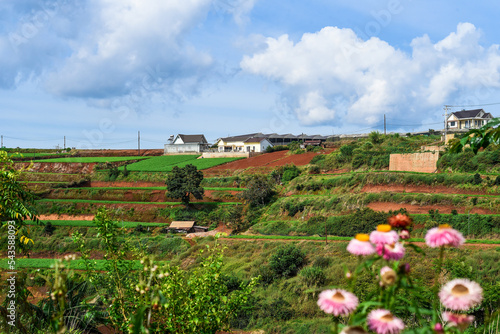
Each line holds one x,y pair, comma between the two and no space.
314,169
287,260
477,179
313,276
49,228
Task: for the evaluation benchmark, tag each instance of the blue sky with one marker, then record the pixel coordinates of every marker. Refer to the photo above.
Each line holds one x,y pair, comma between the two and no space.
97,72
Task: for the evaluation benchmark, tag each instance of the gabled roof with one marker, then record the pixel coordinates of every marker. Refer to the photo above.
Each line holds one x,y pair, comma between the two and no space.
471,114
243,137
182,224
198,139
255,140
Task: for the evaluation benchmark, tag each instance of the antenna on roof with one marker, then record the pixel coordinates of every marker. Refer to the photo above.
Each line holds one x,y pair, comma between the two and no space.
171,139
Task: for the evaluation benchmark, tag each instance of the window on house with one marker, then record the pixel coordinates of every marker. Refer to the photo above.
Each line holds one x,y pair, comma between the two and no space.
452,124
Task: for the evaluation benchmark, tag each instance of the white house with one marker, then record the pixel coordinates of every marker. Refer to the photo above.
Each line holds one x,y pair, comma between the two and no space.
186,144
256,144
468,119
236,143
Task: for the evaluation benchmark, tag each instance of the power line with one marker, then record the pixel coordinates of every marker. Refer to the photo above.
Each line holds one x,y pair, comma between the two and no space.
474,105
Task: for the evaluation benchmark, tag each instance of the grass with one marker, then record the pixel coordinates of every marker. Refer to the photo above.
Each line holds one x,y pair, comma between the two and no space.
89,223
75,264
334,238
123,202
166,163
160,164
93,159
151,188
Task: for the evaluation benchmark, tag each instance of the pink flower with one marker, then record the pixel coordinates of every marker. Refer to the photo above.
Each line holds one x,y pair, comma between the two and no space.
404,234
443,235
384,235
462,321
337,302
353,330
461,294
438,328
360,245
391,251
383,322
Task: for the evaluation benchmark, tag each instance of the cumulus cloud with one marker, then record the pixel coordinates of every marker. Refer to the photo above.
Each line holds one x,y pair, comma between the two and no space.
102,50
332,76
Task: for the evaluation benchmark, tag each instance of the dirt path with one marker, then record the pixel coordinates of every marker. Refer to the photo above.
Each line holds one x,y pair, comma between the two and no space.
65,217
388,206
399,188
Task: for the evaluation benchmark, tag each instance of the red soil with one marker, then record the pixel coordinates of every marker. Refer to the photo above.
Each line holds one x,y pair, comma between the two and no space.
369,188
264,162
387,206
126,184
66,217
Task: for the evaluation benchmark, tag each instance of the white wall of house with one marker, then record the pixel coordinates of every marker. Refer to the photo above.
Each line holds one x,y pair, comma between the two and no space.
235,146
182,148
257,146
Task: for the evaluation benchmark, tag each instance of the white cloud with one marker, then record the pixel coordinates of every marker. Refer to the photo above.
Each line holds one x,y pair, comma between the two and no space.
332,76
102,50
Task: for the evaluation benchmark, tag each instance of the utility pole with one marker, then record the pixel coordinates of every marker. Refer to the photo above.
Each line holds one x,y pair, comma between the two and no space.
1,145
64,142
385,128
138,142
445,121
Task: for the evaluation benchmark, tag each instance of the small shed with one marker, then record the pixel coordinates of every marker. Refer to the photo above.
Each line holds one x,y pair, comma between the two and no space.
186,227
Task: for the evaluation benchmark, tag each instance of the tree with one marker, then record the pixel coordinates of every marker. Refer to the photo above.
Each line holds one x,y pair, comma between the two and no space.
184,182
16,201
259,190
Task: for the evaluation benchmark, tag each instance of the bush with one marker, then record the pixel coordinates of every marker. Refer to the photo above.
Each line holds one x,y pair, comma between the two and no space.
49,228
313,276
477,179
287,260
314,169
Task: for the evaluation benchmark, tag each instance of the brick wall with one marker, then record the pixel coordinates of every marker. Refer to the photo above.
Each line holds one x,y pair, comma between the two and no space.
414,162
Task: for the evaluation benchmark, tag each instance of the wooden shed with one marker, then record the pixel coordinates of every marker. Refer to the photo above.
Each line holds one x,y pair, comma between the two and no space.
186,227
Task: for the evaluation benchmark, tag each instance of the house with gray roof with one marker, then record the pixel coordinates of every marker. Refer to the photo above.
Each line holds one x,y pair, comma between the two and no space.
468,119
186,144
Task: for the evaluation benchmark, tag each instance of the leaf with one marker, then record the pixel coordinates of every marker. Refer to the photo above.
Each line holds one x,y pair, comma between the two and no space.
416,248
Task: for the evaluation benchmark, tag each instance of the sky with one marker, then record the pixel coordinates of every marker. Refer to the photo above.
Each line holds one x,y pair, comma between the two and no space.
95,74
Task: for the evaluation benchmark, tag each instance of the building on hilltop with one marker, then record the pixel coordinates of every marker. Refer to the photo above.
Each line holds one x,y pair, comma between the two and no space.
186,144
258,142
468,119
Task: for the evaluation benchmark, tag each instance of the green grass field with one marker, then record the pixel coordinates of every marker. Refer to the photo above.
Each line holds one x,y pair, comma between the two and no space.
92,159
89,223
166,163
162,163
123,202
152,188
75,264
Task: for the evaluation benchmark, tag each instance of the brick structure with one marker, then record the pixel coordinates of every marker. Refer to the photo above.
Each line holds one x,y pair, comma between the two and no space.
414,162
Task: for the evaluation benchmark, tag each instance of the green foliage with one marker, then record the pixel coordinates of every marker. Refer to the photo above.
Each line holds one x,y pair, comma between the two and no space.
376,137
260,191
287,261
285,173
184,182
313,276
479,138
276,148
92,159
49,228
167,162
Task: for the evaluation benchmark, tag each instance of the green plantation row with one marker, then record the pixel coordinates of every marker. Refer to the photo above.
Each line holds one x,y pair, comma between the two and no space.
49,263
89,201
89,223
92,159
